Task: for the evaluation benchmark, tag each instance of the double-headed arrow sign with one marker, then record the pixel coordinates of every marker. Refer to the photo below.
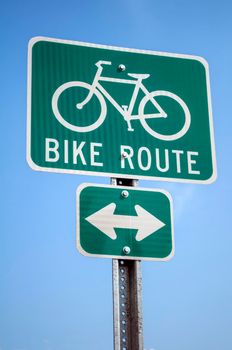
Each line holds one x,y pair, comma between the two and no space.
108,222
144,222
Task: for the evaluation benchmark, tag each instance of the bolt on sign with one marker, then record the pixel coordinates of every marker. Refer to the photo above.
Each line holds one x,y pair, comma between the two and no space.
124,222
103,110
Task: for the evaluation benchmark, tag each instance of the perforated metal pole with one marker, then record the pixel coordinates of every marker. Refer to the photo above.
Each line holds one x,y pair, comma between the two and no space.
127,298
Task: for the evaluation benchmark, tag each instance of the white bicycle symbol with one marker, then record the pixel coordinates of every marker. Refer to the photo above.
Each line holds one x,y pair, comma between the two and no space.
126,111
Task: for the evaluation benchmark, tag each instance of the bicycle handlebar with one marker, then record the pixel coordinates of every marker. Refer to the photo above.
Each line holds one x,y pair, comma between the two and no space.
99,63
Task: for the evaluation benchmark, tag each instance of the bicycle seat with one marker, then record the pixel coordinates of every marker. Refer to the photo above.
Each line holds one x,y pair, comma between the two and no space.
139,76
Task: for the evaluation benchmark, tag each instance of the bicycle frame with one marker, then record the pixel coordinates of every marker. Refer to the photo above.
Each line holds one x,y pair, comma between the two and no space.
125,111
97,89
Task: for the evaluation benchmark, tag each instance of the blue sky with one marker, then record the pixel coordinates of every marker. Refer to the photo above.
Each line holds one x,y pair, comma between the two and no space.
51,297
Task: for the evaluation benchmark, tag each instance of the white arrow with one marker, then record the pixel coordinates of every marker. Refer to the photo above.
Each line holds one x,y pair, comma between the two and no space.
106,221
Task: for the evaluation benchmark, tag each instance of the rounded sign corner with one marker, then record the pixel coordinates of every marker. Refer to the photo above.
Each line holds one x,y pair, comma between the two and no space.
170,256
35,40
32,164
81,250
82,186
203,61
167,194
212,178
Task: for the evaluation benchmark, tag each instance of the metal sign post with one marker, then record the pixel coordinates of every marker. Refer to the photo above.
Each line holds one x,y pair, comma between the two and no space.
127,298
127,304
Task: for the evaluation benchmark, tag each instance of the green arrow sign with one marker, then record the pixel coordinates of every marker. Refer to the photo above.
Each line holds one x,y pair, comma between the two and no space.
124,222
102,110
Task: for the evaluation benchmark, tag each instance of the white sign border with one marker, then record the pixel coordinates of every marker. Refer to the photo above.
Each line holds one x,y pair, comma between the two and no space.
124,257
34,166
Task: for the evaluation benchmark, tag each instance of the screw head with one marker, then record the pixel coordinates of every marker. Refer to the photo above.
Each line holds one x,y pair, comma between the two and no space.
124,155
126,250
121,68
125,194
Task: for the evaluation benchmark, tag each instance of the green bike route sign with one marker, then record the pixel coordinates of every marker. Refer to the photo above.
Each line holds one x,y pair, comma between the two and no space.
124,222
116,112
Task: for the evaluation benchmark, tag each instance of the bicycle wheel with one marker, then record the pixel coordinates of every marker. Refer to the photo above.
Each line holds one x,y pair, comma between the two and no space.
78,117
159,135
